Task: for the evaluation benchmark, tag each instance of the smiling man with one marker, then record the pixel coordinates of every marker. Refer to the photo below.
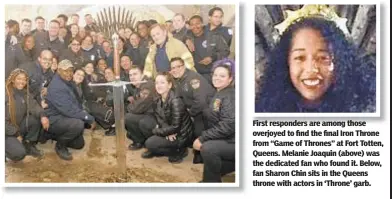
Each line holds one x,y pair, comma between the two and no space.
66,115
165,48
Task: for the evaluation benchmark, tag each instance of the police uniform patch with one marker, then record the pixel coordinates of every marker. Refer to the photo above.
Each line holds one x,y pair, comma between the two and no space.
204,44
185,87
195,83
217,104
230,31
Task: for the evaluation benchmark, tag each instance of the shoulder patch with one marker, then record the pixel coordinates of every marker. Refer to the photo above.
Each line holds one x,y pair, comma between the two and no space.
204,44
195,83
217,103
230,31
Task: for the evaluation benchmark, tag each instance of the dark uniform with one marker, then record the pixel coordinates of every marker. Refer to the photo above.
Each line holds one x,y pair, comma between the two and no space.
218,141
42,42
93,93
145,42
77,59
139,121
124,75
226,32
172,118
109,59
90,55
8,41
33,32
196,94
38,79
100,52
209,44
102,110
181,35
29,127
16,56
66,115
138,55
91,27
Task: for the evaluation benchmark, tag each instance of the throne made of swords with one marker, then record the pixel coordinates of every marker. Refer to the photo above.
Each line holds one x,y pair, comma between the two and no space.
110,20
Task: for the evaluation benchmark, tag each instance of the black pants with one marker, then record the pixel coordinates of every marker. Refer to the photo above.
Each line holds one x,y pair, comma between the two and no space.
102,114
219,159
139,127
14,149
161,146
199,124
33,130
68,132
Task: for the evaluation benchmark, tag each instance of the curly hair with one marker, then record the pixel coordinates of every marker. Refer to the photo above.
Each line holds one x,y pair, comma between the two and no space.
352,91
10,94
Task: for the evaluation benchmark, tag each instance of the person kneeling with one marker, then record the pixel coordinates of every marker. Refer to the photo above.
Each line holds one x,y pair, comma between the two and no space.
140,120
217,143
65,112
24,117
174,129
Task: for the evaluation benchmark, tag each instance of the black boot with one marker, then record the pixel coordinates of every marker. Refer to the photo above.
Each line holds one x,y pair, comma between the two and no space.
63,152
177,158
197,159
31,149
110,132
148,154
135,146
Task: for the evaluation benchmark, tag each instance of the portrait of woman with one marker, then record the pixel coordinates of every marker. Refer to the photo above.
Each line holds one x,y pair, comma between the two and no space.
316,67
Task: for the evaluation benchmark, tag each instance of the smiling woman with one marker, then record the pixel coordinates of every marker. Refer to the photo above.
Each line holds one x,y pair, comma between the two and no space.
315,68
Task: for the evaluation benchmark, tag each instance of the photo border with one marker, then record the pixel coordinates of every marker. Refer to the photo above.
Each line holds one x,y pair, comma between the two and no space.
235,184
376,114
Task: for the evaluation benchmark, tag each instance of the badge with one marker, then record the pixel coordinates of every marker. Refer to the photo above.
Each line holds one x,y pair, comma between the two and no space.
204,44
230,31
185,87
92,57
195,83
217,104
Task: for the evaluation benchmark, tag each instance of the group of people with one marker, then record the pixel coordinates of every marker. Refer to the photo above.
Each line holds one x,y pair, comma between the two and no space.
181,93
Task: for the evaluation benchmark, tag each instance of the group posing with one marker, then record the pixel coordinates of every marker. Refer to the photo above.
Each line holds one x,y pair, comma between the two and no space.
187,99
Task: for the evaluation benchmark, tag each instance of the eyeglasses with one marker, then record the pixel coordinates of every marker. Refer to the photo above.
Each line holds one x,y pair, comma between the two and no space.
75,44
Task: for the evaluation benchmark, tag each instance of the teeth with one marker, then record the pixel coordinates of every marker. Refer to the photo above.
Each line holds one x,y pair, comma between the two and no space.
309,82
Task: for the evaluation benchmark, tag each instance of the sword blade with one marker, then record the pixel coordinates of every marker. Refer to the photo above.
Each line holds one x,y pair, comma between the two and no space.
120,128
116,83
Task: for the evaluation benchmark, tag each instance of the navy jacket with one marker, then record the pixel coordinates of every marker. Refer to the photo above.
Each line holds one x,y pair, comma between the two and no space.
62,100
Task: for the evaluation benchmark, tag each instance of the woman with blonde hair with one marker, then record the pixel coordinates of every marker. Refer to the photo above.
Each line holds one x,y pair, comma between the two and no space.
24,119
